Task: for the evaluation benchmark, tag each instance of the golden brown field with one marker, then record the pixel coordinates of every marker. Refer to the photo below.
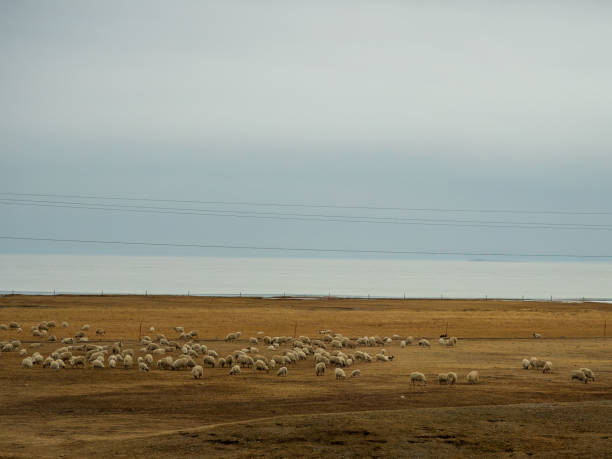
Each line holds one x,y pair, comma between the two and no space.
126,413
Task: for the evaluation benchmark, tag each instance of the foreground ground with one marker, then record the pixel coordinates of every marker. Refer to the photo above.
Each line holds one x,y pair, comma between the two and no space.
125,413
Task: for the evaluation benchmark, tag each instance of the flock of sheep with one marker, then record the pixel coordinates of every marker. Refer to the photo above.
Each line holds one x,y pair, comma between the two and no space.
327,350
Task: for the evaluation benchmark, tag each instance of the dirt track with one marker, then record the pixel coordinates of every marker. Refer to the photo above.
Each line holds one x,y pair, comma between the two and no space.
130,414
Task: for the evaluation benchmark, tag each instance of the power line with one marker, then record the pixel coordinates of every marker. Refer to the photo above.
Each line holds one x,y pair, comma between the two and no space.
330,206
304,217
308,249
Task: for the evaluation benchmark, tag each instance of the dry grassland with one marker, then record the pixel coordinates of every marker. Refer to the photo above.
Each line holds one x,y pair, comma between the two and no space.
125,413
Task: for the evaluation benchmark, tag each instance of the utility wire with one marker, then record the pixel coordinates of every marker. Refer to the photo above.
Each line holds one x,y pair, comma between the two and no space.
304,217
309,249
331,206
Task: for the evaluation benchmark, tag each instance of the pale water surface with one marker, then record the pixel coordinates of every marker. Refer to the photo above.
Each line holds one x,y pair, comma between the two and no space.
304,276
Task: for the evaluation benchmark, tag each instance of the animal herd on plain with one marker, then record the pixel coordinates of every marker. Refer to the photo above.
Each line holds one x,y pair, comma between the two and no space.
327,350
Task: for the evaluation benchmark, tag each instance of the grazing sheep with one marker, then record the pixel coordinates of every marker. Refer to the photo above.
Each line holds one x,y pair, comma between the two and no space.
424,343
235,370
222,362
100,331
98,364
442,378
320,369
197,372
55,365
579,375
85,327
77,361
355,373
180,364
526,364
112,363
127,361
152,329
472,377
536,335
8,347
23,352
14,325
47,362
209,360
537,363
27,362
417,376
451,378
282,371
165,363
339,373
64,324
3,327
142,366
547,367
260,365
588,373
403,343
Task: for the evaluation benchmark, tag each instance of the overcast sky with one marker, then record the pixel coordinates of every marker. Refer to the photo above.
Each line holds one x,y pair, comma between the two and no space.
498,105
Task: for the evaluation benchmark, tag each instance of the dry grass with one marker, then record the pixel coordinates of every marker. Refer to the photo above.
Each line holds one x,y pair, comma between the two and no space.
129,414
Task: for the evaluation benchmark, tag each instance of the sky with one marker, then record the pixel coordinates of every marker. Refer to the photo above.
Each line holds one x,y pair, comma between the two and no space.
447,105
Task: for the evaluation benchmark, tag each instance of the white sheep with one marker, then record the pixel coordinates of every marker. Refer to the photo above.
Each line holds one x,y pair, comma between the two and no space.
27,362
209,360
98,364
142,366
85,327
451,378
64,324
127,361
197,372
260,365
579,375
320,369
355,373
339,373
55,365
442,378
424,343
417,376
235,370
152,329
547,367
536,335
282,371
588,373
472,377
526,364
